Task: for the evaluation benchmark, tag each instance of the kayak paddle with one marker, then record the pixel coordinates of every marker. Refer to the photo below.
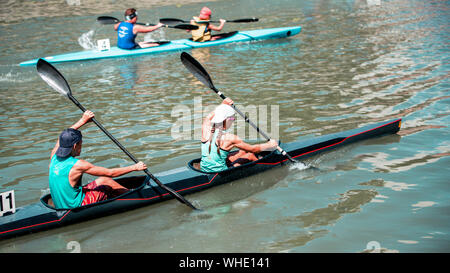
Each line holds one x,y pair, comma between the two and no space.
108,20
200,73
57,81
174,21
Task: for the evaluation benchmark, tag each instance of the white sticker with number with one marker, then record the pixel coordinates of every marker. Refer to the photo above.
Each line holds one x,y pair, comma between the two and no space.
7,202
103,44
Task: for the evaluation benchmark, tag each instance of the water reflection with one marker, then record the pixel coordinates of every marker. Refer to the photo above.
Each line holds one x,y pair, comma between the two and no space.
315,224
129,74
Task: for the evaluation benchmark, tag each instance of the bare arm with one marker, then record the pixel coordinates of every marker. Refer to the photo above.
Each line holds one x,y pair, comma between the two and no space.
232,141
85,118
145,29
116,26
82,166
206,127
217,28
54,149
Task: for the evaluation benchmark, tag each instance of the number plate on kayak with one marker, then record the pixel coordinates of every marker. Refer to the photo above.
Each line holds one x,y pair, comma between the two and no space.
7,202
103,45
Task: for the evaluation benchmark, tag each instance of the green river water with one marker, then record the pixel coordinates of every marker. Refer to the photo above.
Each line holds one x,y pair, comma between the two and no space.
352,64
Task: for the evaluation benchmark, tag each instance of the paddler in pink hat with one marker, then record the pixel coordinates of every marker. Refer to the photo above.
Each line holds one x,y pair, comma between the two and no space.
203,33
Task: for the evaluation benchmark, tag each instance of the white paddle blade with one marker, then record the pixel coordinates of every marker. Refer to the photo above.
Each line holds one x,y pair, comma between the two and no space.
52,77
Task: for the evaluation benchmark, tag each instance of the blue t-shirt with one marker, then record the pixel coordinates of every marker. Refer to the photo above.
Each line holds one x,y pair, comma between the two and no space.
125,36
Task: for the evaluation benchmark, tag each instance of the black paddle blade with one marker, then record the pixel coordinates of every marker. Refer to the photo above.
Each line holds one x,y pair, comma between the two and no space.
107,20
178,197
172,21
53,77
184,26
196,69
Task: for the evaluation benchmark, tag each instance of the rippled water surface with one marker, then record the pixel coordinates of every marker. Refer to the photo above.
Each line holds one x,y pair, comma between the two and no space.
352,64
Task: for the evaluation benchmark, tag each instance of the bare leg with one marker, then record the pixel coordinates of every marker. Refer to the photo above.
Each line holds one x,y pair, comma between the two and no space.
241,157
147,44
116,188
108,181
101,189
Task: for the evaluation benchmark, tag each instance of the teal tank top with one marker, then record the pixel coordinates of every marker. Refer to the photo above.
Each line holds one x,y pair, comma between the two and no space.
63,194
213,162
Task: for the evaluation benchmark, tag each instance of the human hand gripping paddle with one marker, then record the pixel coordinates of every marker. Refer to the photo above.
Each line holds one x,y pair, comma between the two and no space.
200,73
57,81
174,21
108,20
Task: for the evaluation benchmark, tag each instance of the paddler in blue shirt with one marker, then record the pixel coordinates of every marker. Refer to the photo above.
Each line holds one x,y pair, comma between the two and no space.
128,30
217,142
66,171
203,33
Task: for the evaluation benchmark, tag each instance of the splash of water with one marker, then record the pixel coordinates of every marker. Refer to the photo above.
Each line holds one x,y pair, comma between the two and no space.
87,40
371,3
298,166
155,36
213,213
14,77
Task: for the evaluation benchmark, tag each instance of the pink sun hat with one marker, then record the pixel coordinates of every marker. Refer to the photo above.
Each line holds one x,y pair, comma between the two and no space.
205,13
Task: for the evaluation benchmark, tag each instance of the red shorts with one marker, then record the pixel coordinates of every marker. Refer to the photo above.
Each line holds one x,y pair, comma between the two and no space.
94,193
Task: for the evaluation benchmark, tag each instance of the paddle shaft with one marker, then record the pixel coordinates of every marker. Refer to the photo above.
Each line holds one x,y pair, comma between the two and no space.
202,75
283,152
175,194
152,25
231,21
113,20
246,20
186,27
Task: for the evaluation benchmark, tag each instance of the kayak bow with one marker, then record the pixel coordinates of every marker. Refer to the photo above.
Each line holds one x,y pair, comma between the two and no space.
184,180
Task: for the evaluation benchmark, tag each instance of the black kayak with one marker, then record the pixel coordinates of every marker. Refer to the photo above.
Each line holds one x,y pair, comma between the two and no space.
185,180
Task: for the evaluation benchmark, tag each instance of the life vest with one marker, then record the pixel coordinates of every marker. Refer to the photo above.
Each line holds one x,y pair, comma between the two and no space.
202,34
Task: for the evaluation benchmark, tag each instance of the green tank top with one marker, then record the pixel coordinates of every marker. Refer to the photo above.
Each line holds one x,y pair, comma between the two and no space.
63,194
213,162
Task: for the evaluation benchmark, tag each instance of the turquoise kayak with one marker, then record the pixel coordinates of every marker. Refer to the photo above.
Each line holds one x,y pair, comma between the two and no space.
176,45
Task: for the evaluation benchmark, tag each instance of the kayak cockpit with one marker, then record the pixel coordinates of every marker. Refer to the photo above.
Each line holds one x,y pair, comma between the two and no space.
132,183
47,201
221,36
195,163
160,43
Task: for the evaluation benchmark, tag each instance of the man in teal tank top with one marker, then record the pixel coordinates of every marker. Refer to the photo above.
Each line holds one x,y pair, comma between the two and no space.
217,142
66,171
